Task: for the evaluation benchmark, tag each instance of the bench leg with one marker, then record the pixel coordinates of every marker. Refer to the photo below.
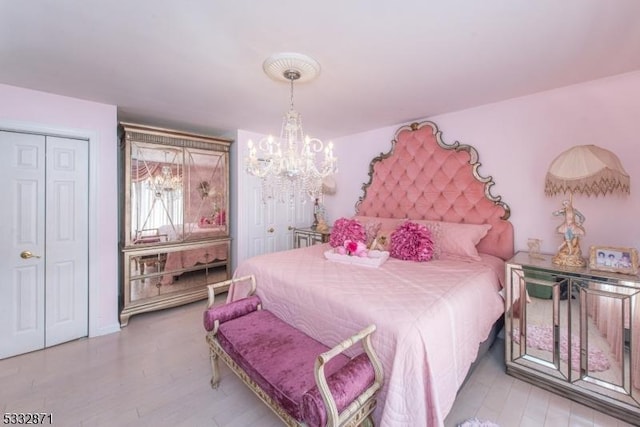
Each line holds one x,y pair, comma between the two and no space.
215,370
367,422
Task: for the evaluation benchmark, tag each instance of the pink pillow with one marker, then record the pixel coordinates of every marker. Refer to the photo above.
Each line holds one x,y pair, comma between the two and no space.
456,241
411,241
346,229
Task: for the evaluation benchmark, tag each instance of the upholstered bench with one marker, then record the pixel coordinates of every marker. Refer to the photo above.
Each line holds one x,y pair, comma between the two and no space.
303,381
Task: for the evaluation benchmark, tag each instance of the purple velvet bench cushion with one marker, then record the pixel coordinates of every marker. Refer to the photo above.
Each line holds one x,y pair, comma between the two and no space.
346,385
226,312
278,357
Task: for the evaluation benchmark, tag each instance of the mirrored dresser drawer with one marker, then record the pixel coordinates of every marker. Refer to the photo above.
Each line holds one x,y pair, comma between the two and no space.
170,276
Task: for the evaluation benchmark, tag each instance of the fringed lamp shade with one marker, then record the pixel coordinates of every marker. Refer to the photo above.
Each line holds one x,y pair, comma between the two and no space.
586,169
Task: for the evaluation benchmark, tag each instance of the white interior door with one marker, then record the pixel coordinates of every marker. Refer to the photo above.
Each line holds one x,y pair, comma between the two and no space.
271,224
44,252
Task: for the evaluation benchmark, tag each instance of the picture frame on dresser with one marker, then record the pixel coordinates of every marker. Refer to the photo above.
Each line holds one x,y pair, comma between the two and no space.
614,259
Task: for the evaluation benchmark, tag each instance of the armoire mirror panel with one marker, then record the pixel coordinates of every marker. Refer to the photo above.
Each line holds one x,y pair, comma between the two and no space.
176,194
575,331
175,188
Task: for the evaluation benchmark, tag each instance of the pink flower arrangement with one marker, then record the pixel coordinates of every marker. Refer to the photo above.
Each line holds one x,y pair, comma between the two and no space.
346,229
411,241
352,248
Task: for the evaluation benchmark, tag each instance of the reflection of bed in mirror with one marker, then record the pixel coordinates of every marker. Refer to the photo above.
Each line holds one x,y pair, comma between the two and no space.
575,331
179,262
191,231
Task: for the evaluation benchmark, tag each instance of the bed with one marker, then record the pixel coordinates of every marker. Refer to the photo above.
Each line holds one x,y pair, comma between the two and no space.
431,316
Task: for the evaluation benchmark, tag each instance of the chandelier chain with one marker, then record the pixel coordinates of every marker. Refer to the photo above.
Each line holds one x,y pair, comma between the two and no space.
291,94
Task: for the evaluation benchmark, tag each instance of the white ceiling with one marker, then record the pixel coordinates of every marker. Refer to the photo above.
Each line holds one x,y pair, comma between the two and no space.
197,64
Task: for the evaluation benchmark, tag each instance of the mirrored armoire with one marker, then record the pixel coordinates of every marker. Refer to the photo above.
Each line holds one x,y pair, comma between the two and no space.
174,217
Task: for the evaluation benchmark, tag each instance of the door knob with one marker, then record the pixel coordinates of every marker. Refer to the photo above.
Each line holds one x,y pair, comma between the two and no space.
27,255
290,228
271,230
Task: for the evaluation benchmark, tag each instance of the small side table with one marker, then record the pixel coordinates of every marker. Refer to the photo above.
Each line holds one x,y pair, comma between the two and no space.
303,237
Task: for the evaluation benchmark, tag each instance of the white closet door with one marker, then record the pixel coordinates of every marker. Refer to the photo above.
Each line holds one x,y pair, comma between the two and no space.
67,233
44,253
22,169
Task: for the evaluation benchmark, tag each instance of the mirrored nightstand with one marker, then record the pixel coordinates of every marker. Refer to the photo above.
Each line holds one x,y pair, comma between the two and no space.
303,237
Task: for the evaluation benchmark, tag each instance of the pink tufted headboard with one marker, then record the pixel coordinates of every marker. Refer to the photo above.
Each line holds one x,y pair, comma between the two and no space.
421,177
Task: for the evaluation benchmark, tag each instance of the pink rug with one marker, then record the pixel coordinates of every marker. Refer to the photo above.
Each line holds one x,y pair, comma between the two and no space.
541,337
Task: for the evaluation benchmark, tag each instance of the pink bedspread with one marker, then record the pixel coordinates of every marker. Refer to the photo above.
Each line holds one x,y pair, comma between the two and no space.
430,319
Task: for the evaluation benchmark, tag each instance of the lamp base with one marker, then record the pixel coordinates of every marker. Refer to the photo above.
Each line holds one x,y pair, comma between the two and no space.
569,253
565,259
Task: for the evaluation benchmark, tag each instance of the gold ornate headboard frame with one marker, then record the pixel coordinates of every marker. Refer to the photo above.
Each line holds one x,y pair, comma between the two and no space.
456,146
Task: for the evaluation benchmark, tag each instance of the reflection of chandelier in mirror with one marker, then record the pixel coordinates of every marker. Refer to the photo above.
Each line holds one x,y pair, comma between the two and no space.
287,165
165,180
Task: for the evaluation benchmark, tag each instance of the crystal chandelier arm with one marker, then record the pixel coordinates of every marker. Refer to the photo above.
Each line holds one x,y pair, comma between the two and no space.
315,144
268,145
270,160
330,162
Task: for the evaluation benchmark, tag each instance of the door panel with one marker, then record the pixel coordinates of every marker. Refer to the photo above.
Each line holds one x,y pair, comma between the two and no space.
25,302
22,229
258,242
67,237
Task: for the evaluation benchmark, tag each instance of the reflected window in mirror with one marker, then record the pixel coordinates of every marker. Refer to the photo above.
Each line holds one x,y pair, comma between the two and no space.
157,199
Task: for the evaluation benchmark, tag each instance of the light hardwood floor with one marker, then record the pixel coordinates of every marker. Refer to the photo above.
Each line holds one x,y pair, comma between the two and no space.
156,371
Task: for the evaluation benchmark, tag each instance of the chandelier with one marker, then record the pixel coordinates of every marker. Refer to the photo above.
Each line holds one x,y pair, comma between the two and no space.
287,166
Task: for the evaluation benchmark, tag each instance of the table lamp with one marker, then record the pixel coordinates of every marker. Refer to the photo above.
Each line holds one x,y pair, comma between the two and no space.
583,169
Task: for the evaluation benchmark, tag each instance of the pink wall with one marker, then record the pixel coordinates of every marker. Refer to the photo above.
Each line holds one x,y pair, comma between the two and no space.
517,139
23,109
